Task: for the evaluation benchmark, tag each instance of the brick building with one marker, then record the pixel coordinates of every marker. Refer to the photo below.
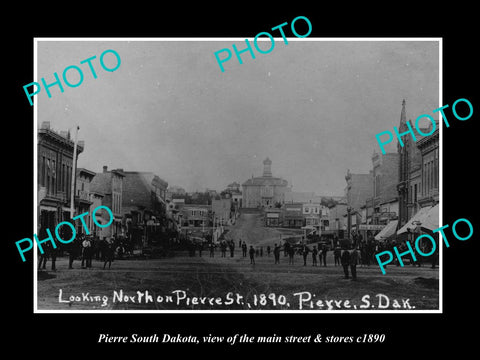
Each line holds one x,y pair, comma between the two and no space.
430,170
409,171
54,177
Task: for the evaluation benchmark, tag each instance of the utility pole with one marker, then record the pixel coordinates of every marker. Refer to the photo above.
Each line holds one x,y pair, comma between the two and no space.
74,175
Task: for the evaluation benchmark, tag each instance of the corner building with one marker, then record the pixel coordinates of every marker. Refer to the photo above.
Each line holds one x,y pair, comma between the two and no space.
55,171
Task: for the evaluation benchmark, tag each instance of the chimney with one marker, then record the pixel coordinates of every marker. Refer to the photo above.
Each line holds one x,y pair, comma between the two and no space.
105,168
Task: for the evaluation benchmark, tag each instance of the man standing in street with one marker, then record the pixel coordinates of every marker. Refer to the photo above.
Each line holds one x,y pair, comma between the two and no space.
324,255
86,248
232,247
212,249
252,255
345,259
276,253
353,263
305,251
314,256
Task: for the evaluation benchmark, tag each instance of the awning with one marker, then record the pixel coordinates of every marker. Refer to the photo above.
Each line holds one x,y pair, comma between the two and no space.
431,219
420,218
387,231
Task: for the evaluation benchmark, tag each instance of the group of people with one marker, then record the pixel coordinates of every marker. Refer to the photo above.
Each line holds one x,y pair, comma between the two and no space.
84,248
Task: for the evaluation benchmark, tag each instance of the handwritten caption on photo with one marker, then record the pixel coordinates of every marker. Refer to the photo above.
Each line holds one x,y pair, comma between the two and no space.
303,300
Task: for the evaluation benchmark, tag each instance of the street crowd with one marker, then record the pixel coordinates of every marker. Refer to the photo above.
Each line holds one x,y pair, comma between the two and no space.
85,249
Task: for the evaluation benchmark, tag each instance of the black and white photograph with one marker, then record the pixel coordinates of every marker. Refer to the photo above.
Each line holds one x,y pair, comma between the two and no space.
224,180
255,186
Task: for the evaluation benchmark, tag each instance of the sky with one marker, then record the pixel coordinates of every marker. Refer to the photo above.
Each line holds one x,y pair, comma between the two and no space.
313,107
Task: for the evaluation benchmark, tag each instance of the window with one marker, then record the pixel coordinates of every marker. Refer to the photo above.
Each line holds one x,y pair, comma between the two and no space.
47,183
42,175
431,176
415,193
377,185
54,175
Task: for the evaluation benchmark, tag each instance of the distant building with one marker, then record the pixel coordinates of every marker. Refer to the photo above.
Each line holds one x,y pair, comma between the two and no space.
264,191
110,183
385,178
302,197
293,215
337,218
358,189
221,210
234,187
54,174
174,191
312,213
273,217
195,216
144,207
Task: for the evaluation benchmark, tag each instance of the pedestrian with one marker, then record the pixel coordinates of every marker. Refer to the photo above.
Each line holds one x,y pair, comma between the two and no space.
244,249
276,253
200,248
324,254
336,254
291,253
286,248
252,255
239,243
86,245
305,251
353,263
268,250
314,256
223,248
212,250
109,253
232,247
345,261
53,256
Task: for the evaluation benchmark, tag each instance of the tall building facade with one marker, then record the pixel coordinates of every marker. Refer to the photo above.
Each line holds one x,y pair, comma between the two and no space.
409,172
430,170
264,191
385,177
54,177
